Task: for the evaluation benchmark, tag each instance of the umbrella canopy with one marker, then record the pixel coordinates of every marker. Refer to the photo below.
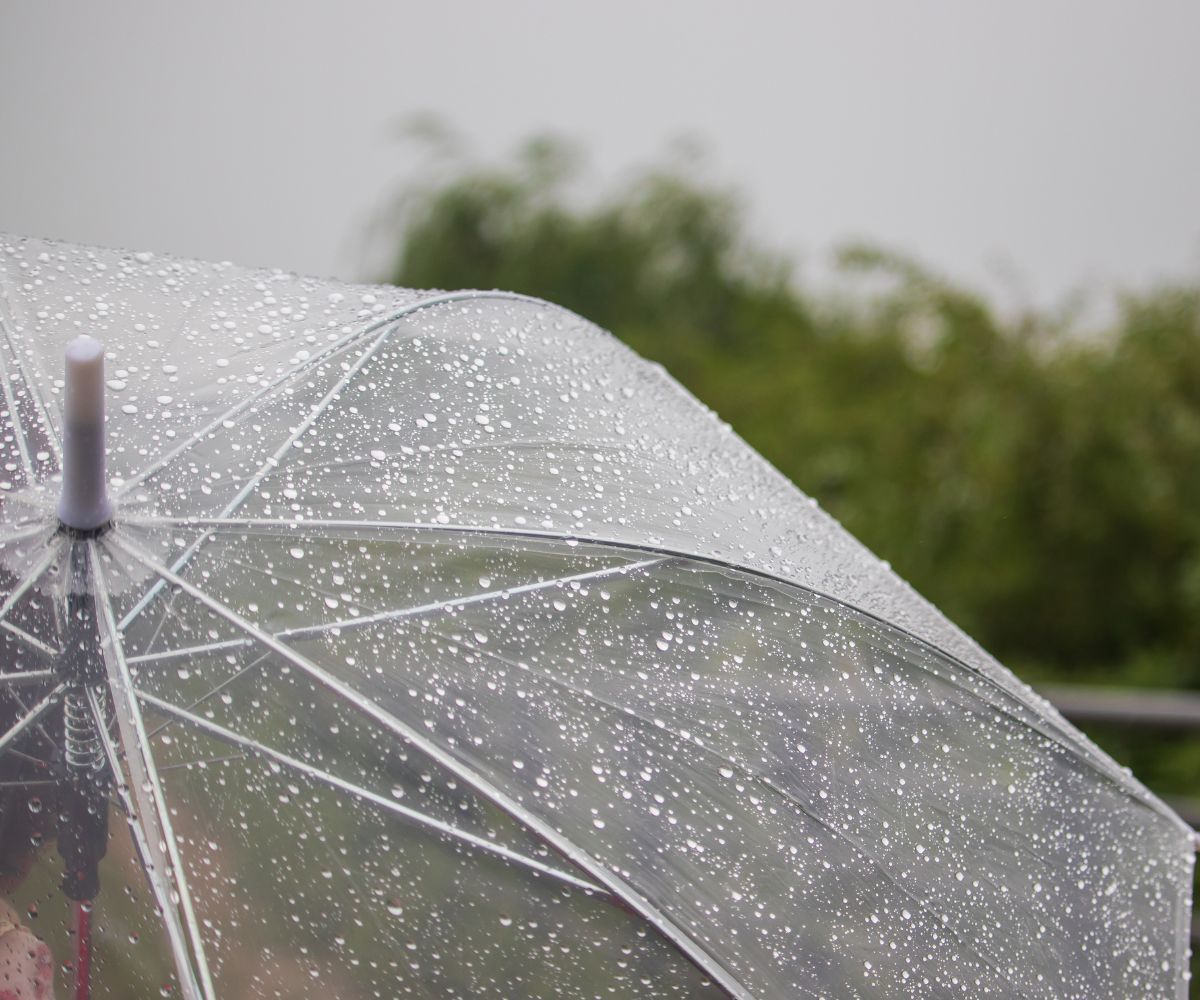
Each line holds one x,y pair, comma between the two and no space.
436,645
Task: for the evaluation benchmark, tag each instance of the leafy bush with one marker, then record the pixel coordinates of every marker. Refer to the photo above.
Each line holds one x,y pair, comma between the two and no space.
1040,483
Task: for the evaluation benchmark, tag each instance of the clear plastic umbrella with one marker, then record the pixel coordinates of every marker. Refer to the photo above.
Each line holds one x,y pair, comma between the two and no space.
436,645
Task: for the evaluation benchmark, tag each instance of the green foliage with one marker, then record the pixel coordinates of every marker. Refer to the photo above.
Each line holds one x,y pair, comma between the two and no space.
1040,484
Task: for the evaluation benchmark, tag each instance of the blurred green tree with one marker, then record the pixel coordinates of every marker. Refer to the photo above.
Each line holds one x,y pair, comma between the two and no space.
1038,482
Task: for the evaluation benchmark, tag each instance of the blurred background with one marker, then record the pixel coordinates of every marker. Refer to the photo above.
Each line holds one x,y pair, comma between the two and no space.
940,263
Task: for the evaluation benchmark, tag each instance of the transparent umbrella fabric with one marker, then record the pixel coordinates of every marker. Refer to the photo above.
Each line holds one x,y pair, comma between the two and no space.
449,649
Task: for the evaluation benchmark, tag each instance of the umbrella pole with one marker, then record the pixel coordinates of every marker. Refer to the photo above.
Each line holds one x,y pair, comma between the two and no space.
84,510
83,950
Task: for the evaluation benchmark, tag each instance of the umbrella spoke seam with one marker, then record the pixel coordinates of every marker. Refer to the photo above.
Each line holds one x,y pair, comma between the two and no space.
34,394
449,606
19,433
345,343
28,580
208,694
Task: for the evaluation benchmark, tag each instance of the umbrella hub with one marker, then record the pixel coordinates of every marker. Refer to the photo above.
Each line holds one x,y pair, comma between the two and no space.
83,506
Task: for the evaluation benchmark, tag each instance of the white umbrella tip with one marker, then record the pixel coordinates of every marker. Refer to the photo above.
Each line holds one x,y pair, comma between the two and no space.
84,350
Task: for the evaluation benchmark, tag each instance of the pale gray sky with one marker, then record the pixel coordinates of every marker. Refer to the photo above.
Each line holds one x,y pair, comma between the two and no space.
1060,137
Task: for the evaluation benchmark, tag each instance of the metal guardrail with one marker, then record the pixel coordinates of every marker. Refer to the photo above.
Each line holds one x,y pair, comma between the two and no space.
1128,706
1135,707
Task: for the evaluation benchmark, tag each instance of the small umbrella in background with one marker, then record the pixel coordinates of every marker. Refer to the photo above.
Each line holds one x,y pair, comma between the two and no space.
419,644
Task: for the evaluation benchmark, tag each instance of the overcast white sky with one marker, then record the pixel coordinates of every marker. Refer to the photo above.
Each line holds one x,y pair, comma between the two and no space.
1057,139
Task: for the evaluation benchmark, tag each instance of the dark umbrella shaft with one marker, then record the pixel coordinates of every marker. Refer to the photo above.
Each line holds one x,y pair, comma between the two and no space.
83,830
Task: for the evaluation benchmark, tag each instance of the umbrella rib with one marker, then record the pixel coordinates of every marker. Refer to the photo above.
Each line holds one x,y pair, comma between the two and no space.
389,805
51,743
186,652
31,640
121,683
24,677
152,871
204,761
450,604
34,395
216,690
618,887
24,529
314,414
314,361
18,426
30,578
31,717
